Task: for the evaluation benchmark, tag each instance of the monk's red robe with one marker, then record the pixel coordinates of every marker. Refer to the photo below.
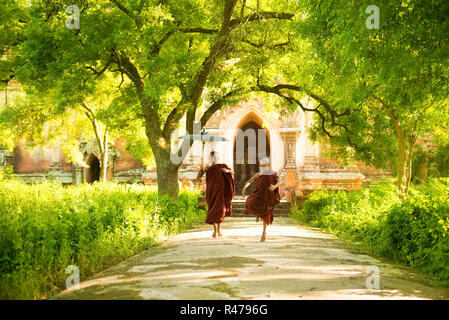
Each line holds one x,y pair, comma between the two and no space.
220,189
263,201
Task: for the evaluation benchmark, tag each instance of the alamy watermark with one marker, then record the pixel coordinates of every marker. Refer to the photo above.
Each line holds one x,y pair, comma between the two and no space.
373,277
73,280
373,21
250,144
73,21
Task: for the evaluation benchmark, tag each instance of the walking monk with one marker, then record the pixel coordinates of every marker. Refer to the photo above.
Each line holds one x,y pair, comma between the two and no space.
220,190
265,195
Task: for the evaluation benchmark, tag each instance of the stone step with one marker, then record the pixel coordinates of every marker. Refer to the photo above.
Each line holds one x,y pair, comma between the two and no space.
238,207
281,210
242,215
276,208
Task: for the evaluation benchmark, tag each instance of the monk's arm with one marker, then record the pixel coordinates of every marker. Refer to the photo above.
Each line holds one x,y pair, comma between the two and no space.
201,172
228,171
274,186
249,182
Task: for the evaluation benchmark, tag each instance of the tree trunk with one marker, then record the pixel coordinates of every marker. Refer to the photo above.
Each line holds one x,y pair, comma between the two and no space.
167,171
411,146
401,182
409,169
167,180
401,164
422,169
104,158
103,166
167,174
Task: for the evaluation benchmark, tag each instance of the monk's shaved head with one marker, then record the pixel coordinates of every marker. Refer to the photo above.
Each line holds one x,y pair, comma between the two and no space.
213,157
265,167
265,161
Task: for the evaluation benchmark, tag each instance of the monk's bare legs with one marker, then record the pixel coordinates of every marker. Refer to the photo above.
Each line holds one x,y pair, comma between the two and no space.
215,231
218,230
264,235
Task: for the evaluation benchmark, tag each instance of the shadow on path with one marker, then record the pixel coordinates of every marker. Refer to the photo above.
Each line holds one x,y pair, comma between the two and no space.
296,262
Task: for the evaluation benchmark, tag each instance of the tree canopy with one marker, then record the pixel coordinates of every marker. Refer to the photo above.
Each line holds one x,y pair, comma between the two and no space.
378,91
158,63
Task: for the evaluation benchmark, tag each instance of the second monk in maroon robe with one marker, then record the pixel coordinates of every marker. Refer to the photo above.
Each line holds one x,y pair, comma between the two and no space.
262,201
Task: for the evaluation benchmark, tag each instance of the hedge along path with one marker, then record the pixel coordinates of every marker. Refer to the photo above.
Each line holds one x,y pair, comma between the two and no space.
296,262
46,228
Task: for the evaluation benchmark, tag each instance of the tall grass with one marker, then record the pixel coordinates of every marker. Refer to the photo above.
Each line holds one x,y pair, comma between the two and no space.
46,227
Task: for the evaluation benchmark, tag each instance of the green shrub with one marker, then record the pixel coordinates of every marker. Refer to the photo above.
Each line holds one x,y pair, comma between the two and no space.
47,227
417,230
414,232
6,173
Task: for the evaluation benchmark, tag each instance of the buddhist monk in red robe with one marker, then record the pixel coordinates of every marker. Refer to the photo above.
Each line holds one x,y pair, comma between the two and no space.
265,196
220,189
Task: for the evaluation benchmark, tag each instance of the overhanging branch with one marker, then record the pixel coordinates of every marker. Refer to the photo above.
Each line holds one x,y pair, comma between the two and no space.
321,102
198,30
99,73
261,16
127,12
270,46
217,105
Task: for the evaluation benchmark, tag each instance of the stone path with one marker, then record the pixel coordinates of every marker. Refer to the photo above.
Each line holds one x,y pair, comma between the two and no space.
296,262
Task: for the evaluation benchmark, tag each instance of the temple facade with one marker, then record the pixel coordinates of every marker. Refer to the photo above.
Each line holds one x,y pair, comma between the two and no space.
251,131
282,138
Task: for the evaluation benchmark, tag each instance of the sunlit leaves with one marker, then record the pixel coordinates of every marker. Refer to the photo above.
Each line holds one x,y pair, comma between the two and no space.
404,63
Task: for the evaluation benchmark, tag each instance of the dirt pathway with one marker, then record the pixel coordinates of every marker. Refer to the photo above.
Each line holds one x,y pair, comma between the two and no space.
296,262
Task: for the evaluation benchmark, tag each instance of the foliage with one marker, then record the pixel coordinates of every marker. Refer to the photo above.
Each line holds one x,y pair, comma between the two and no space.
47,227
349,214
417,232
160,61
431,161
440,161
7,173
377,91
414,232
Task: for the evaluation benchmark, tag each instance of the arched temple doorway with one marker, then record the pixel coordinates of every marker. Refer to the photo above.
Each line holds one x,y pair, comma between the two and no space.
249,143
92,173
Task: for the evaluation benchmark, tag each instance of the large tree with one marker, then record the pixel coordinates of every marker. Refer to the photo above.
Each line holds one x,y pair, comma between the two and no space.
173,58
377,92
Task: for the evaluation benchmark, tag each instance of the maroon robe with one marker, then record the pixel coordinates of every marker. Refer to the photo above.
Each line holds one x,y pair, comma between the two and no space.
220,190
262,201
